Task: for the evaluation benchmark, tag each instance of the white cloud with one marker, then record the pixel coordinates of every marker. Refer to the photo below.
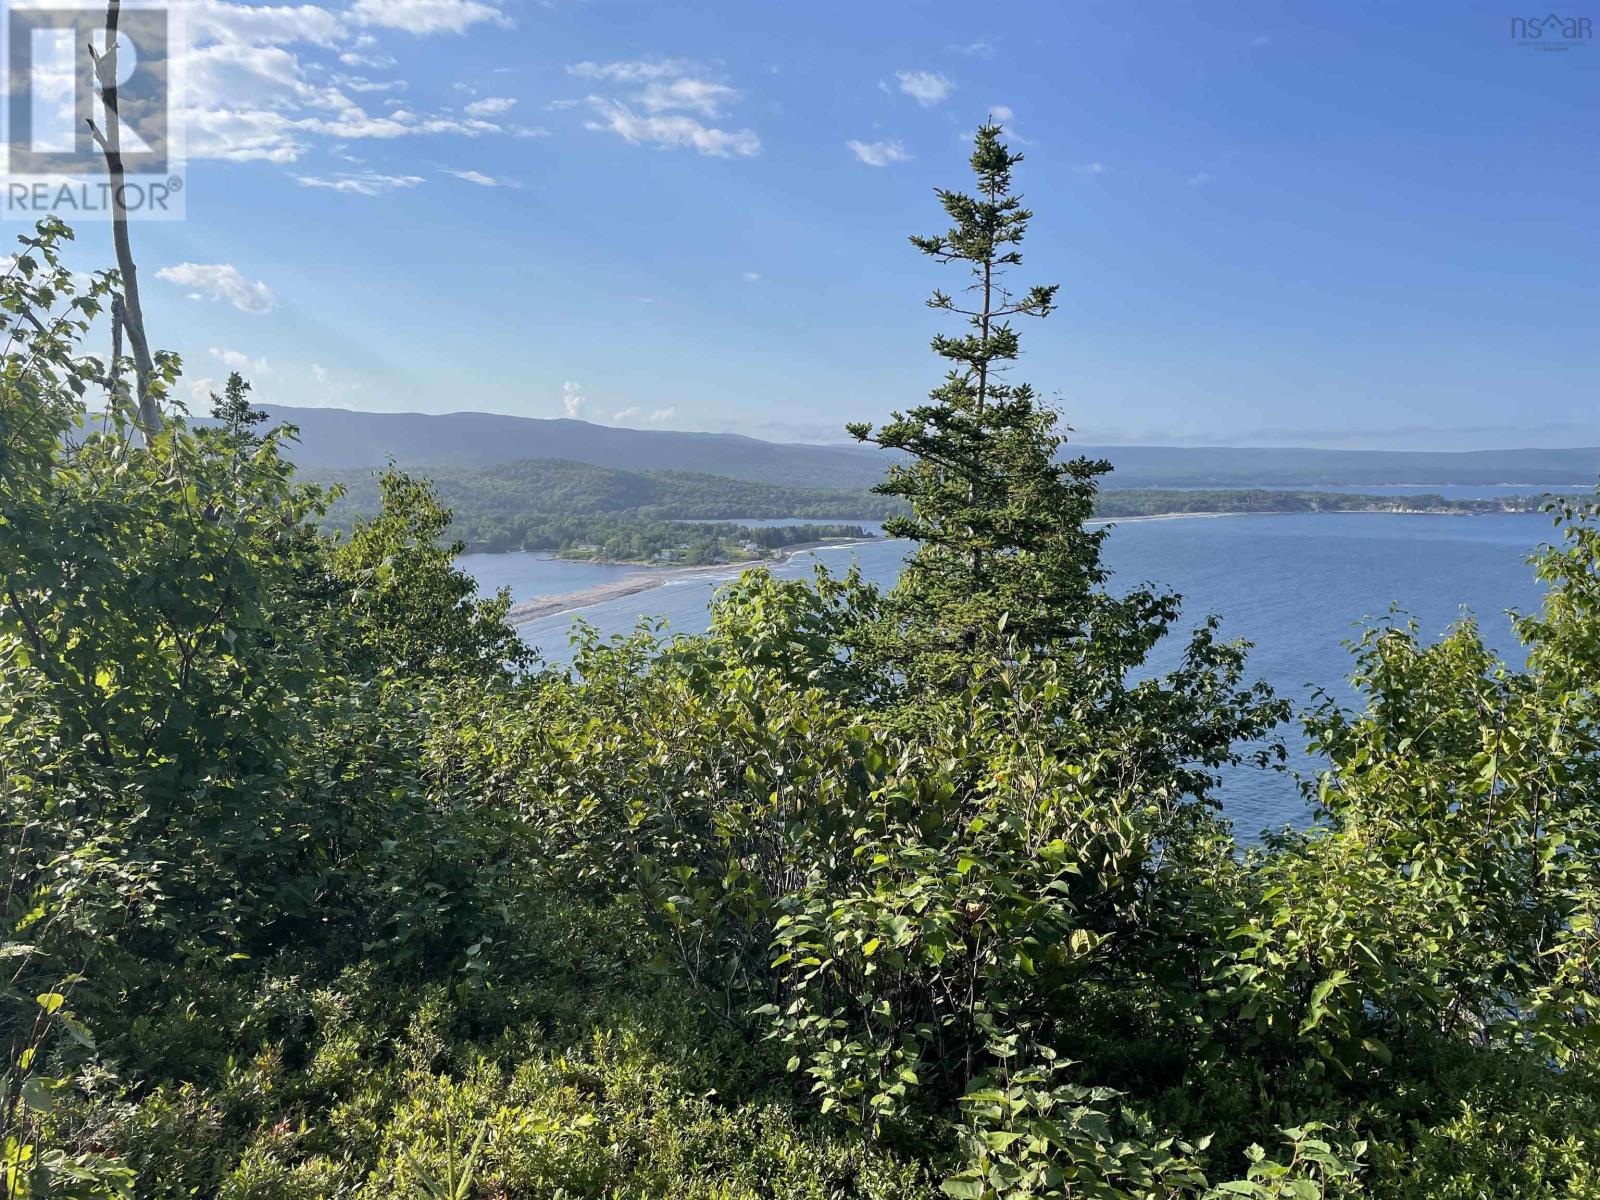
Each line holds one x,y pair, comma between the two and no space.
674,131
478,177
572,400
360,183
672,89
220,281
1090,168
1200,178
878,154
364,52
637,414
491,106
253,95
703,97
356,83
927,88
265,25
752,276
1261,39
629,72
319,373
982,48
426,16
237,360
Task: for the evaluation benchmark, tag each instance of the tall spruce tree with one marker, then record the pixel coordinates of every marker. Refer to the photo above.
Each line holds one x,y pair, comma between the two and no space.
232,409
1004,555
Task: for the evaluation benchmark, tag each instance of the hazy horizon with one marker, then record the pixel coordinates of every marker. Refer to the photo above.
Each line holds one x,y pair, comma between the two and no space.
1077,437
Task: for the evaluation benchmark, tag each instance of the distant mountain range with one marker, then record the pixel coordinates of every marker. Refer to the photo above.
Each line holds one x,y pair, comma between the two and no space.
339,439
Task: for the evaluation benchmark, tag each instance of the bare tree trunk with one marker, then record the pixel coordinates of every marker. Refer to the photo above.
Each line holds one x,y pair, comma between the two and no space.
110,143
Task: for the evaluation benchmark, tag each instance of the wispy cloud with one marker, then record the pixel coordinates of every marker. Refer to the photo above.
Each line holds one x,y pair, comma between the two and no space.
927,88
266,26
1200,178
674,131
636,71
491,106
878,154
360,183
478,177
698,95
1090,168
357,83
260,91
220,281
426,16
672,90
635,413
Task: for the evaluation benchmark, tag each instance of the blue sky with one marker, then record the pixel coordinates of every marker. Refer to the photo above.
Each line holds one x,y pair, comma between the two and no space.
1319,223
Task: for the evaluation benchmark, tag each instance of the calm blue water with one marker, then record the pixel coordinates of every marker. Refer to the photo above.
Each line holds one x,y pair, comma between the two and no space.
1450,491
1297,586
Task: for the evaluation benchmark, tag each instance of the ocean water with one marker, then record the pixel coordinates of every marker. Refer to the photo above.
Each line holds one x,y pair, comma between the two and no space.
1297,586
1450,491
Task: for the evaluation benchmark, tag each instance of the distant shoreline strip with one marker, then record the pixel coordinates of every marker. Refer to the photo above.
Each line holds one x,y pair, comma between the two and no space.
631,585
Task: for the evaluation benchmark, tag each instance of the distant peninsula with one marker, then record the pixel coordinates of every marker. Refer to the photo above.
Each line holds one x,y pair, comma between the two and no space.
604,514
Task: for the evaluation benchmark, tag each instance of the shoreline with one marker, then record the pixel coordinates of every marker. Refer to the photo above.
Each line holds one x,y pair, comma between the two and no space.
556,603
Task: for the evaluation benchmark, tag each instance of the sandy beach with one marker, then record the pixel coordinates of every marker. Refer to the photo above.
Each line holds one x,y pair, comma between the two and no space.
601,593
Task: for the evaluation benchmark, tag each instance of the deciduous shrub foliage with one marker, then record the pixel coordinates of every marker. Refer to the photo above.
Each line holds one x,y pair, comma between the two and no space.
316,885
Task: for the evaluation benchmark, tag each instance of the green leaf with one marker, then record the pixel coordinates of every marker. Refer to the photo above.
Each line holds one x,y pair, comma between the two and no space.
38,1092
963,1188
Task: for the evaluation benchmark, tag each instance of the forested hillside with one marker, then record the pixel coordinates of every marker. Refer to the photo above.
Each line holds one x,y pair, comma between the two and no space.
552,505
317,886
338,439
581,510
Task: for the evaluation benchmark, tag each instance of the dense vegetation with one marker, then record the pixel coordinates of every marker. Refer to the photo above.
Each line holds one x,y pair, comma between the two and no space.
316,887
579,510
551,485
584,511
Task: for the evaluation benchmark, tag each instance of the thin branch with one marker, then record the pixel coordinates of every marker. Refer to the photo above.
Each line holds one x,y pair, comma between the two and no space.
110,143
